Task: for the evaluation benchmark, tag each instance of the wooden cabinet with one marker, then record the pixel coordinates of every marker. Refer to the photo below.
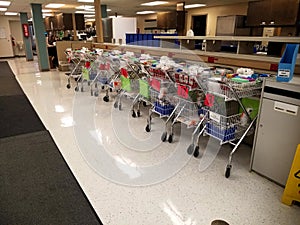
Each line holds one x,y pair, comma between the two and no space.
273,13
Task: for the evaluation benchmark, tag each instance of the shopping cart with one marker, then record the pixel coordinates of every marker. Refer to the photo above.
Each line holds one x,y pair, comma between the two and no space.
225,117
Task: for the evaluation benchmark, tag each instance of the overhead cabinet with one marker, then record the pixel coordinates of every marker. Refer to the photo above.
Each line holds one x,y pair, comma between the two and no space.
64,21
273,13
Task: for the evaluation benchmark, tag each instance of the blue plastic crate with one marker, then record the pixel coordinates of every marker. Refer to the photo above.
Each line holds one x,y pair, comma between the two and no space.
223,134
287,63
163,109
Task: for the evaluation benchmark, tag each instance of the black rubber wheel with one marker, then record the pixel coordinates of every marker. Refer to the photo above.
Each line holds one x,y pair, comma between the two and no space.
92,93
115,105
89,83
190,149
147,128
120,106
102,87
76,88
144,104
96,94
170,139
106,98
138,113
68,86
164,137
81,89
196,152
227,172
110,90
133,114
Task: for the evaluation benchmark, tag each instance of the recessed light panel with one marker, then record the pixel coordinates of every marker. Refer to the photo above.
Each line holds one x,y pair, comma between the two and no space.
85,12
154,3
145,12
90,1
5,3
11,14
194,6
54,5
3,9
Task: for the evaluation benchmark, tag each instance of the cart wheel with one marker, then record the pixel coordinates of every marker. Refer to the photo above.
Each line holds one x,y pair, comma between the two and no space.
89,83
138,113
106,98
120,106
96,94
147,128
77,88
81,89
115,105
110,90
96,85
196,152
68,86
164,137
92,93
227,172
170,139
102,87
133,114
144,104
190,149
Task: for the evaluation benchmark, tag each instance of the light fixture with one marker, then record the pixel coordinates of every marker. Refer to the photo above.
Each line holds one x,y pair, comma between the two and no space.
108,10
84,12
145,12
154,3
3,9
194,6
89,16
47,14
11,14
46,10
54,5
90,1
85,7
89,20
5,3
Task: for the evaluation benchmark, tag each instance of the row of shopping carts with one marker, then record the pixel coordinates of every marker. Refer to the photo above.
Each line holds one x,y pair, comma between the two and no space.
205,99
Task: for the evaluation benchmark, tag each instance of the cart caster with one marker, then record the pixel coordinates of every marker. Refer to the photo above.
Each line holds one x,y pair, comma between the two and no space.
106,98
120,106
147,128
96,85
68,86
110,90
76,88
102,87
164,137
227,172
92,93
81,89
196,152
133,114
96,94
144,104
115,105
190,149
170,139
89,83
138,113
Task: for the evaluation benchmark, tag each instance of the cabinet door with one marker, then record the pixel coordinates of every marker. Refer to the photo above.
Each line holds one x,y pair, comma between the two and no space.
258,13
284,12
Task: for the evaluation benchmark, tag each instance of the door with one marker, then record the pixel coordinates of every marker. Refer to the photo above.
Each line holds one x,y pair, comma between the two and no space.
277,140
199,28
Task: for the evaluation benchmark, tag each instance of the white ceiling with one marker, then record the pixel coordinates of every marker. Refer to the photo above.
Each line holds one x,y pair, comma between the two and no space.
121,7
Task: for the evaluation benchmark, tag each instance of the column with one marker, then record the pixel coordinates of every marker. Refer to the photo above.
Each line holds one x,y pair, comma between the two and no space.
26,36
39,29
98,17
75,38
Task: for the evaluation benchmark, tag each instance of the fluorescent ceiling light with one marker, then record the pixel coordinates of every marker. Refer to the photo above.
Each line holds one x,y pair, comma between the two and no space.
108,10
46,10
145,12
4,3
89,20
194,6
85,7
85,0
84,12
89,15
54,5
3,9
154,3
11,14
47,14
115,16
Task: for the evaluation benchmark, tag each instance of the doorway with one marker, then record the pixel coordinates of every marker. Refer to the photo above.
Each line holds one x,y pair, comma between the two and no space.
199,28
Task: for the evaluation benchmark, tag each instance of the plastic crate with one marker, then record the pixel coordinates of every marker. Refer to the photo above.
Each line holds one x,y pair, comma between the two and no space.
287,63
163,108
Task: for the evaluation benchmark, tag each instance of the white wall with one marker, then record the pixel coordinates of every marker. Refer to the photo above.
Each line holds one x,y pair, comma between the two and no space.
6,49
16,32
123,25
